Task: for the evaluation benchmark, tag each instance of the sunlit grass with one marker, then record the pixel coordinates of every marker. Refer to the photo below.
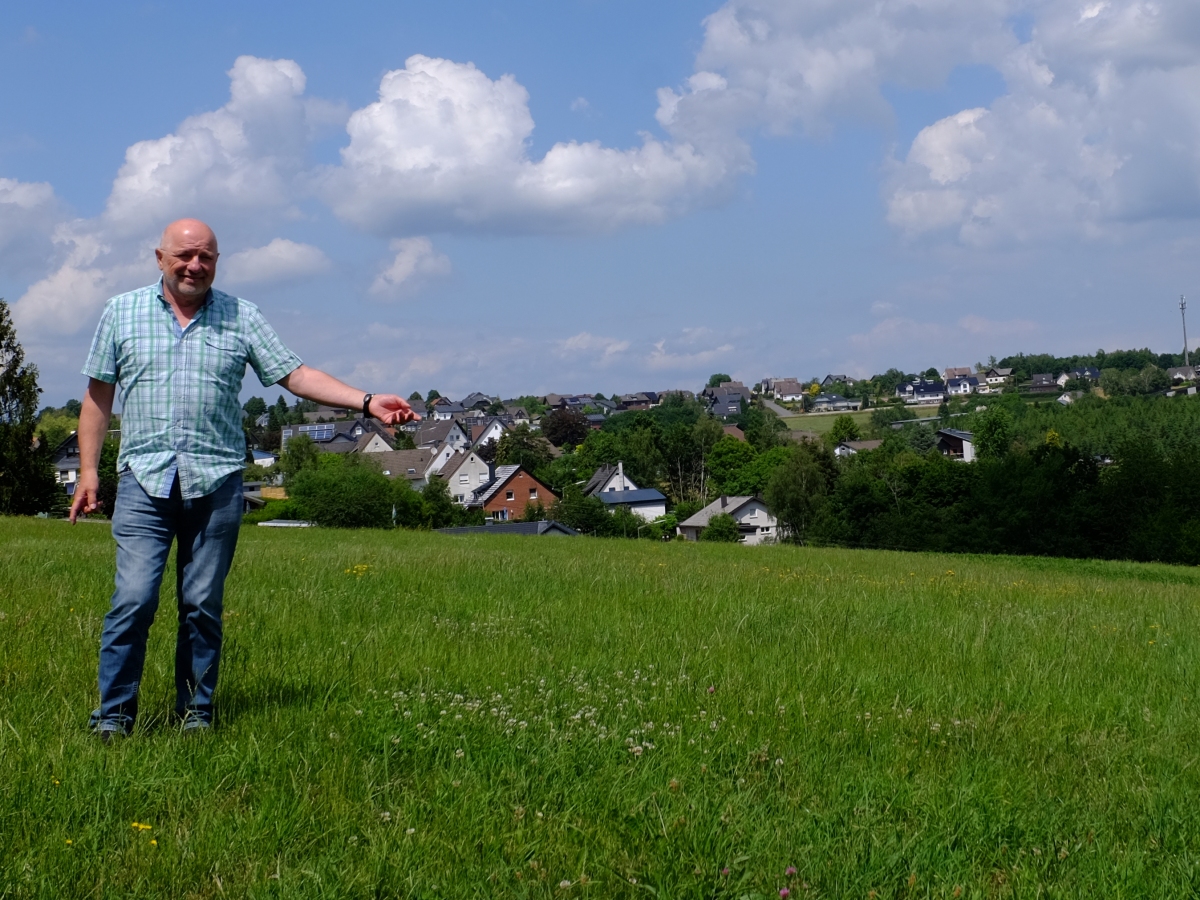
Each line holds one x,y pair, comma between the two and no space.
405,714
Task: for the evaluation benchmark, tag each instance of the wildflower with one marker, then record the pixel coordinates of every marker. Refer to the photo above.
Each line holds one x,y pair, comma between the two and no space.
725,871
564,884
458,754
779,762
712,689
789,871
69,841
153,842
410,831
674,785
385,816
784,892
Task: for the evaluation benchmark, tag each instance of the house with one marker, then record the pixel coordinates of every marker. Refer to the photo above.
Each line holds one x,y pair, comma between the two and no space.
444,412
66,463
263,458
517,414
509,493
636,401
956,444
994,380
414,465
920,391
1181,373
549,529
595,421
834,403
959,386
789,390
1069,397
609,478
1043,382
436,434
465,473
476,400
605,407
851,448
336,437
957,372
647,502
265,419
755,523
734,432
831,380
490,429
686,396
1091,373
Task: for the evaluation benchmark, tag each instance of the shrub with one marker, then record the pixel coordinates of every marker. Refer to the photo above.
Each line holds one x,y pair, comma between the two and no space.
721,527
348,493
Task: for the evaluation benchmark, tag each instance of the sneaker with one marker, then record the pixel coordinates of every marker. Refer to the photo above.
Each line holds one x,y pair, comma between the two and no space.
195,724
108,732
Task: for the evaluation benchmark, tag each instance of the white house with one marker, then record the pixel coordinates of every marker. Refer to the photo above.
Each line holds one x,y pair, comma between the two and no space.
962,385
437,434
465,474
647,502
609,478
491,431
755,522
851,448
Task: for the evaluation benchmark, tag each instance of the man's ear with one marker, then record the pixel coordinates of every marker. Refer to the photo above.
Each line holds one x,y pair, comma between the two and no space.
158,256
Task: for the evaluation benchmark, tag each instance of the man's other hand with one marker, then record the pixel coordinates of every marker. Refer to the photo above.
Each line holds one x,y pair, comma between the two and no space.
391,409
87,495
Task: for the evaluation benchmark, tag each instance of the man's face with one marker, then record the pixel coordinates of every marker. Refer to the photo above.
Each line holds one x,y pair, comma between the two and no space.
188,261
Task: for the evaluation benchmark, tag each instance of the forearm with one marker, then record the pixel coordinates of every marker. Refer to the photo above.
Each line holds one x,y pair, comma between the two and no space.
313,384
94,416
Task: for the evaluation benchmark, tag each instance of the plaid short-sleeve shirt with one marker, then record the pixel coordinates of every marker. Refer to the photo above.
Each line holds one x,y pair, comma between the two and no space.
179,389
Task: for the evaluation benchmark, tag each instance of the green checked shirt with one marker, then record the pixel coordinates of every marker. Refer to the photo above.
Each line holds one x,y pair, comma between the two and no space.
179,386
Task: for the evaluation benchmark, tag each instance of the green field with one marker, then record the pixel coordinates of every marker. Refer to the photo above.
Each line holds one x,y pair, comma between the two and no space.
412,715
823,422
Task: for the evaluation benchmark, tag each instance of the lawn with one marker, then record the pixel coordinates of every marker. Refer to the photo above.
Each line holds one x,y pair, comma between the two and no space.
823,422
412,715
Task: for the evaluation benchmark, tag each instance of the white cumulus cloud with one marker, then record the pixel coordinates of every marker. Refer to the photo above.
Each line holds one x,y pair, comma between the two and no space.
279,261
414,261
446,148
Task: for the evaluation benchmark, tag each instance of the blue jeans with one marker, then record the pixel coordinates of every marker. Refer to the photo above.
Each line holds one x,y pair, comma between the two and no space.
144,527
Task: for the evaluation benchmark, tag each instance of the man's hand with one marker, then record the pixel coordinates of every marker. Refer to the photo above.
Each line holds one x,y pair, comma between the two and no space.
87,495
391,409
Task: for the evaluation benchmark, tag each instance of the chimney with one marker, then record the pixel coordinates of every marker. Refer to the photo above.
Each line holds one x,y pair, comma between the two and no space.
621,472
722,501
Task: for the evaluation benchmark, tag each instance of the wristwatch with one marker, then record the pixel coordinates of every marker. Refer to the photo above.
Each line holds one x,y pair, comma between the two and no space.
367,406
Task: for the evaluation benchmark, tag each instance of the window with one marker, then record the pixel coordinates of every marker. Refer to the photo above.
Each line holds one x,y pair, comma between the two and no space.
508,495
412,471
533,493
483,477
464,478
754,513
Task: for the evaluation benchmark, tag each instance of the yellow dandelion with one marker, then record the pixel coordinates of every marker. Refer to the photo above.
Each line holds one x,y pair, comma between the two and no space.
153,842
69,841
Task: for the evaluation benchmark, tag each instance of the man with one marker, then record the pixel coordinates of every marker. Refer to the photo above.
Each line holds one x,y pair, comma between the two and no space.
178,350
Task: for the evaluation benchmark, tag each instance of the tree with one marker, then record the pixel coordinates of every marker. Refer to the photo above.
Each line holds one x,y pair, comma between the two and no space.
437,506
27,481
586,515
348,492
797,490
523,447
487,451
431,396
993,433
717,379
722,528
495,408
565,426
301,453
844,429
726,460
109,480
255,407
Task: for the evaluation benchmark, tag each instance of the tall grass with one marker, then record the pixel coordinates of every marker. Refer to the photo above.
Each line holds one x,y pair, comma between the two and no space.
412,715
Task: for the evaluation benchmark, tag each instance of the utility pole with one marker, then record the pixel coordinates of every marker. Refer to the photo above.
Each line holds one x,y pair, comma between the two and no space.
1183,315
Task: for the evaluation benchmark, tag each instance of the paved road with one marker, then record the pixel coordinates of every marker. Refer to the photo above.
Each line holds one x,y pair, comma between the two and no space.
777,409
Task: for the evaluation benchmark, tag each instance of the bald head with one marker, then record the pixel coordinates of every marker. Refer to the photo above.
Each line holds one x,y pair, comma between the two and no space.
187,257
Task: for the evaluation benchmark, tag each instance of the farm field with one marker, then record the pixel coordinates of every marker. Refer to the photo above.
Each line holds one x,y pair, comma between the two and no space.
413,715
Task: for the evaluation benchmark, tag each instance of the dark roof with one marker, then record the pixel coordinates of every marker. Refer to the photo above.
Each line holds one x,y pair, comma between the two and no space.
501,478
598,478
642,495
552,528
954,432
396,463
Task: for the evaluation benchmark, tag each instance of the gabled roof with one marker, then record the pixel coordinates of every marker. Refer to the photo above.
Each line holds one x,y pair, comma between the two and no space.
721,505
861,446
955,433
642,495
397,463
432,432
501,478
534,528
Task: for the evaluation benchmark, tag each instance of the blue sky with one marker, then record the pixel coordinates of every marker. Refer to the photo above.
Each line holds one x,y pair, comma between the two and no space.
612,196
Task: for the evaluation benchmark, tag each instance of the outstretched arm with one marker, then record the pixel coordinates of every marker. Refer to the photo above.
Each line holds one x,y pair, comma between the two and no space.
93,426
313,384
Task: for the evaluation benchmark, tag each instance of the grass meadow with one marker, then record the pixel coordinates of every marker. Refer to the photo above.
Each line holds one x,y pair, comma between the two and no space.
413,715
821,423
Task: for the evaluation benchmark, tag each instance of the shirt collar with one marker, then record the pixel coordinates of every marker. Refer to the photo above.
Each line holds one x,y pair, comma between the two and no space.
161,296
